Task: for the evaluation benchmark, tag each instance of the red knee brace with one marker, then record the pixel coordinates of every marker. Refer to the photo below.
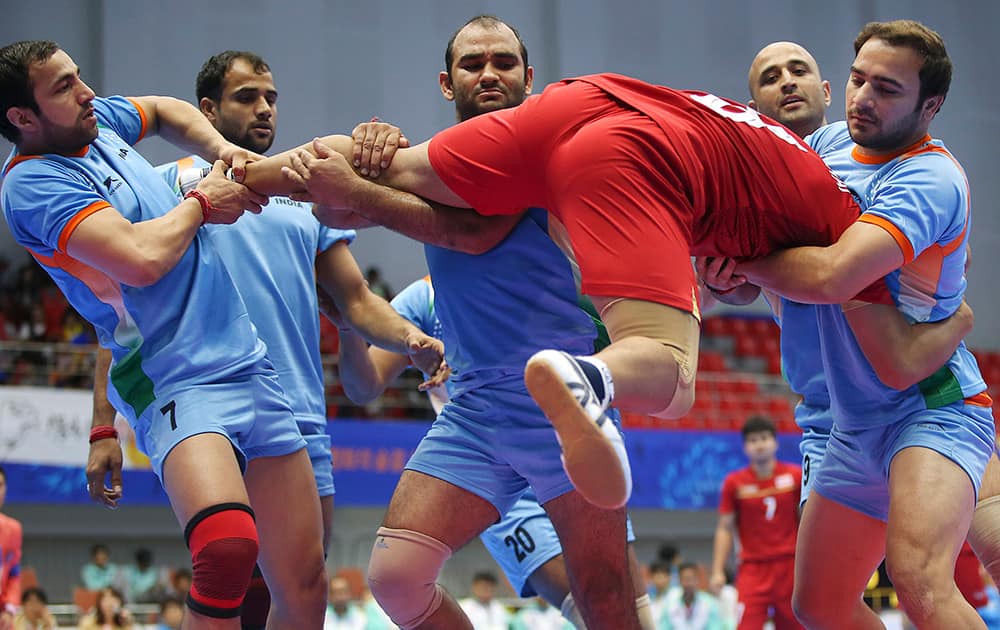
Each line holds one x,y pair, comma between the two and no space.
223,544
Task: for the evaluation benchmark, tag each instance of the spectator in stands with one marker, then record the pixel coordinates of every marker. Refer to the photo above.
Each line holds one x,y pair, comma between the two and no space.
143,581
10,563
539,615
659,587
99,572
342,613
171,614
670,555
690,608
109,614
377,285
35,614
180,583
485,612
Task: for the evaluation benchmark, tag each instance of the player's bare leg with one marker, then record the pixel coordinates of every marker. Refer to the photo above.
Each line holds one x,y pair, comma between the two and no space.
836,552
930,508
291,553
593,542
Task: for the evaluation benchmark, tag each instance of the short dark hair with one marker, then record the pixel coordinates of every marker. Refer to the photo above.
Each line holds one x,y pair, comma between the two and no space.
758,424
35,592
668,553
935,74
143,556
659,567
99,547
16,89
686,566
213,73
486,576
485,20
3,471
170,600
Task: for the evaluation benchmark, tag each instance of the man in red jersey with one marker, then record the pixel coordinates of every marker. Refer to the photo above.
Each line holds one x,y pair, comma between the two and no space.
761,504
641,177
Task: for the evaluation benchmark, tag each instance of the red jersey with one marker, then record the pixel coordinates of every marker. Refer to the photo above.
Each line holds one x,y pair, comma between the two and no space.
641,177
10,561
968,578
766,510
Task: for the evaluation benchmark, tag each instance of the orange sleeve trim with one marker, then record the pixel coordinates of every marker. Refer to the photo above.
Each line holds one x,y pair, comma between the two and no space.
76,220
982,399
184,164
894,232
142,117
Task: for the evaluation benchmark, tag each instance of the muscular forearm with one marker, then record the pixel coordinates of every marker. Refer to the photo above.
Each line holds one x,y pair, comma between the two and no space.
374,319
366,371
159,244
104,413
430,222
182,125
802,274
265,176
902,354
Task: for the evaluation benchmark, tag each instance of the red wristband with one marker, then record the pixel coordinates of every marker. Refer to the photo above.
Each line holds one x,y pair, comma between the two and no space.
102,432
206,205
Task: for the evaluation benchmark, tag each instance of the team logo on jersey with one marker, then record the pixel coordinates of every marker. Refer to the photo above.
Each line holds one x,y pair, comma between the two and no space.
112,184
123,153
750,488
786,480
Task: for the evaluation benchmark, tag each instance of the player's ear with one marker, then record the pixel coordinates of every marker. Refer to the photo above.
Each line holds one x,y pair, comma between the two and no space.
209,108
529,79
446,87
23,118
752,104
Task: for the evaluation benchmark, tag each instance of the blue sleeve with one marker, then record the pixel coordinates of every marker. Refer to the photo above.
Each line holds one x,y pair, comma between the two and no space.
416,305
825,137
123,116
44,202
328,237
925,199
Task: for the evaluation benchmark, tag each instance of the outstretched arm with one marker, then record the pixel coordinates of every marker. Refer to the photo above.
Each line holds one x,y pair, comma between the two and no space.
902,354
827,275
339,276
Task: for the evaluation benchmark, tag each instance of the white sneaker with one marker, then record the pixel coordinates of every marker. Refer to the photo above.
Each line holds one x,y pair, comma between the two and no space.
594,454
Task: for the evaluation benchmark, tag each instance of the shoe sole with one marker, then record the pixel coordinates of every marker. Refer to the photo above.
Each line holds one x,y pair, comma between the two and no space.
589,459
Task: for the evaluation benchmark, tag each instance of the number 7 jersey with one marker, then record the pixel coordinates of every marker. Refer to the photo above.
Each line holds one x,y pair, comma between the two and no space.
766,510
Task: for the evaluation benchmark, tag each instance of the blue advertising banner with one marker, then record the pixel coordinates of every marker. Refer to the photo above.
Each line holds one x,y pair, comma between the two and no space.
673,470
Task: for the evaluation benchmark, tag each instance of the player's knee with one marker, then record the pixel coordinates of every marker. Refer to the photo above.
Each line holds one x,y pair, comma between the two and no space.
681,402
984,534
223,544
403,572
921,580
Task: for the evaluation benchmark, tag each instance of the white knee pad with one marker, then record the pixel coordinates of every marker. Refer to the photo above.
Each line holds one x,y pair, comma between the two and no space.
403,572
984,535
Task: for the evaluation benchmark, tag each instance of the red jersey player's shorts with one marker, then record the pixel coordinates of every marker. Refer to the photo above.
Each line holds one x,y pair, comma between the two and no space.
643,177
764,588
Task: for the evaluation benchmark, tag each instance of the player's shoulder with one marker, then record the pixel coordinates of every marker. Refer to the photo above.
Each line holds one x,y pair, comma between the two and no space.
829,138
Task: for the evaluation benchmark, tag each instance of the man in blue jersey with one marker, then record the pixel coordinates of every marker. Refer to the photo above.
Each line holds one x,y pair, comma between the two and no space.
524,542
275,263
188,371
490,443
904,463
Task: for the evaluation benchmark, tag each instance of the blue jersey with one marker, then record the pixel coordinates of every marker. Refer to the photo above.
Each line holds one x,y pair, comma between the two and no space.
271,258
499,308
802,362
919,196
188,328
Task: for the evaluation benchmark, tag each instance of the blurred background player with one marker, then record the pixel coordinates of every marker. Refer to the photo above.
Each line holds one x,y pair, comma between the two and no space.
761,504
11,538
